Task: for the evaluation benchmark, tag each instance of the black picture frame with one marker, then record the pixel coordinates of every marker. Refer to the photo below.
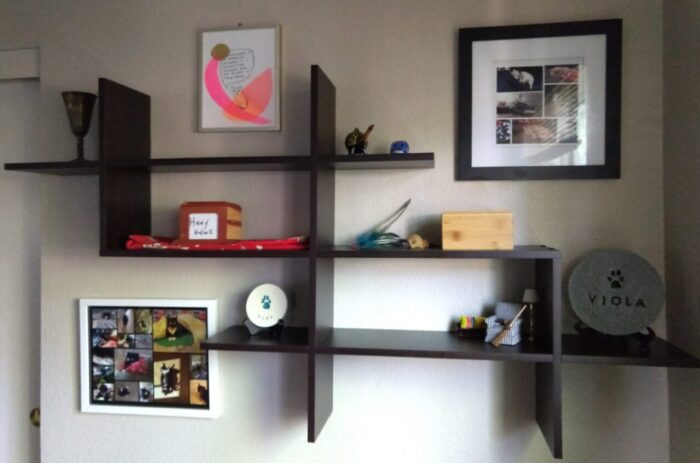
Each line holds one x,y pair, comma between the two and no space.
611,29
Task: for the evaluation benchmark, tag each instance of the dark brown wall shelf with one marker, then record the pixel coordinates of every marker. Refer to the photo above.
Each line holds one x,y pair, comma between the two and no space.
427,344
300,254
125,169
520,252
236,338
218,164
381,161
56,168
624,351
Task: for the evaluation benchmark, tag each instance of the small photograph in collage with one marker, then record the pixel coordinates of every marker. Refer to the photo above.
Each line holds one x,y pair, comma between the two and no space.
143,341
519,105
104,338
519,79
143,321
126,341
102,366
539,131
561,74
145,392
504,131
199,392
560,100
168,375
178,330
127,391
125,320
103,392
135,341
104,319
133,364
198,367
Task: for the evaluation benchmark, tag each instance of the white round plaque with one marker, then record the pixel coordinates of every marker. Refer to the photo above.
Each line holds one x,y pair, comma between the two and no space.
266,305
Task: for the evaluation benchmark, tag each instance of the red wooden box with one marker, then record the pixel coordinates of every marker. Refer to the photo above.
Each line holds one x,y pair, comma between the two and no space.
211,221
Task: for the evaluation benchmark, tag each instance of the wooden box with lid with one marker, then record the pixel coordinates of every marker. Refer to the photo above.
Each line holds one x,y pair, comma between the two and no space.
477,231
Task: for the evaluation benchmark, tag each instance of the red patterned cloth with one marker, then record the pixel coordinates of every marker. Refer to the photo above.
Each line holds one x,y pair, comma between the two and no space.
157,242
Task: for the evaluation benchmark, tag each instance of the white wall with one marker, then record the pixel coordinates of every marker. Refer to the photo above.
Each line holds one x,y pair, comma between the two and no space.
394,64
681,187
19,268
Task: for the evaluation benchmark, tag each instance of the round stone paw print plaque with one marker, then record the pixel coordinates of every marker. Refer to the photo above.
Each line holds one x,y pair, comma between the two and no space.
616,292
266,305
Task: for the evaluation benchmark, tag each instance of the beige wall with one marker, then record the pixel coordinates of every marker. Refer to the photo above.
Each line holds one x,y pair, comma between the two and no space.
394,64
19,266
682,189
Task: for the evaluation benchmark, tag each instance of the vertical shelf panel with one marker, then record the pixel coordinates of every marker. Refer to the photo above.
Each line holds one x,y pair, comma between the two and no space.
322,217
548,396
125,135
548,404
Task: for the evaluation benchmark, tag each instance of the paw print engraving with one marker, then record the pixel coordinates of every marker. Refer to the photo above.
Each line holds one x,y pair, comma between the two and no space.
616,279
266,302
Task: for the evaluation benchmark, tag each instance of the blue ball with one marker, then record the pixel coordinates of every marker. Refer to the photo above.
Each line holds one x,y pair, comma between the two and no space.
399,147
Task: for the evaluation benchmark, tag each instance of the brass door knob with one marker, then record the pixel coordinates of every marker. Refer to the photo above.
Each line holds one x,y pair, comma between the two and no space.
35,417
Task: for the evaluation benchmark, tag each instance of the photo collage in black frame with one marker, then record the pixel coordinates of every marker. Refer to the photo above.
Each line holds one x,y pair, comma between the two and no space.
149,357
537,104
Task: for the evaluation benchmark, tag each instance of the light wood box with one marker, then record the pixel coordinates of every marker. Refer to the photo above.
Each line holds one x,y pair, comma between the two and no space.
477,231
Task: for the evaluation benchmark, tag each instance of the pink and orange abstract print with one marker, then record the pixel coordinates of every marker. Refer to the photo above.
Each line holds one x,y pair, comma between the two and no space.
247,104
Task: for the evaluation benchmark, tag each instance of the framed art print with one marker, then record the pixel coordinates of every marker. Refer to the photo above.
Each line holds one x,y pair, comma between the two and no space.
239,75
144,356
540,101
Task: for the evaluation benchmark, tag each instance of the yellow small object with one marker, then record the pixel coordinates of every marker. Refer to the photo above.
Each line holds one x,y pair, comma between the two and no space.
469,323
463,322
417,242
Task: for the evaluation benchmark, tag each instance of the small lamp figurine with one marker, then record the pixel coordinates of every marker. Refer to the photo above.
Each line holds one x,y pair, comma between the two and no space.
79,107
530,299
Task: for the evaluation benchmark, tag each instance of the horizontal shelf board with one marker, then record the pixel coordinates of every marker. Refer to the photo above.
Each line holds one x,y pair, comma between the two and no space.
429,344
624,351
237,338
209,254
56,168
380,161
519,252
219,164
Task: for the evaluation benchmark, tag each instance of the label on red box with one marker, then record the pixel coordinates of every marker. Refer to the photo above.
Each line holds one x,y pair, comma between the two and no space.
203,226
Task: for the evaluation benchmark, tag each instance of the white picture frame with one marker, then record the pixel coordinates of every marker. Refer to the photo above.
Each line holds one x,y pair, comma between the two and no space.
239,79
114,332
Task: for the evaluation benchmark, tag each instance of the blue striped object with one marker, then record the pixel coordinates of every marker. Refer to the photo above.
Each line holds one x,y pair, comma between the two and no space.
505,311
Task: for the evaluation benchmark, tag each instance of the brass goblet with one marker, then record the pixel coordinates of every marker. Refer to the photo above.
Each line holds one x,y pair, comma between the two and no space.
79,106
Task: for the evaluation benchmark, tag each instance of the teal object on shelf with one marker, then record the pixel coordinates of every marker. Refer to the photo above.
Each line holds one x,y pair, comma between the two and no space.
379,238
